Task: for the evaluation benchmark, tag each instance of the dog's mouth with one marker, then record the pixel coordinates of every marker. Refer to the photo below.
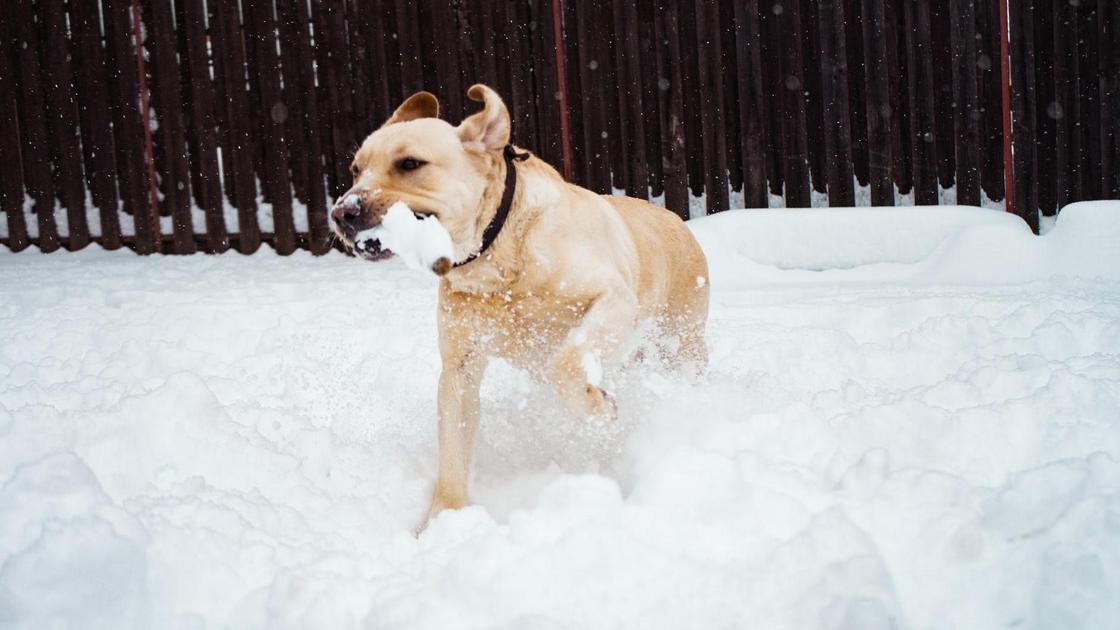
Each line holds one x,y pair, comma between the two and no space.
370,248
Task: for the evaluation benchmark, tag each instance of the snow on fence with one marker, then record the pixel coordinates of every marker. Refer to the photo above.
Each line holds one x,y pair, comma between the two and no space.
185,125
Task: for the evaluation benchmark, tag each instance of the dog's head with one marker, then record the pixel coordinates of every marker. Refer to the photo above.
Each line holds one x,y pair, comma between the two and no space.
437,170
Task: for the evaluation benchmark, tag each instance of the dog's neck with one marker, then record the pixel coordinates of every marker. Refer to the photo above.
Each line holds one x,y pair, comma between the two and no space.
501,213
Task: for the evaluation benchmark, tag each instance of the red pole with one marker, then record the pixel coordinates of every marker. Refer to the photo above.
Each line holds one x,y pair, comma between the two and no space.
145,115
561,82
1005,65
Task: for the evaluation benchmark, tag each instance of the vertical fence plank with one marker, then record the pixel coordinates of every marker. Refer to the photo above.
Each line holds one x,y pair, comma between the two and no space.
96,120
63,122
1044,110
33,119
627,55
920,66
966,113
167,102
11,176
812,90
854,18
311,126
288,25
208,194
239,145
834,89
879,112
274,114
694,146
1021,32
671,110
748,44
714,141
941,56
652,82
991,128
1088,117
1108,50
794,143
1062,108
901,168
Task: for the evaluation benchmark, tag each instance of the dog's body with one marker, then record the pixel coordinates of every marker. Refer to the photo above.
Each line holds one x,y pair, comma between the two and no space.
567,280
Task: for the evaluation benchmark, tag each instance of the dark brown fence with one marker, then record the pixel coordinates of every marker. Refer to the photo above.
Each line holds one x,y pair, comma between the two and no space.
203,125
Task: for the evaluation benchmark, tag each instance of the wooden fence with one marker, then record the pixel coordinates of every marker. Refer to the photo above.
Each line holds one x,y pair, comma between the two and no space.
185,125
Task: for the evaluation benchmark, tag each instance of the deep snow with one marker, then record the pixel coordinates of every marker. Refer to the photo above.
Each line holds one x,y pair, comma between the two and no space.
911,420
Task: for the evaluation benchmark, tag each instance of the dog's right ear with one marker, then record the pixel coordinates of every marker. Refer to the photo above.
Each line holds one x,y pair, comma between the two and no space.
419,105
487,130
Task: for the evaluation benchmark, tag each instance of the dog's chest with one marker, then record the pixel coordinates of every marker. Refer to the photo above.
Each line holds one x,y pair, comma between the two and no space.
523,327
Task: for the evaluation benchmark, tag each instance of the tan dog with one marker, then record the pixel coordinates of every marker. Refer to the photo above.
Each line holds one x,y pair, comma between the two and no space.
567,278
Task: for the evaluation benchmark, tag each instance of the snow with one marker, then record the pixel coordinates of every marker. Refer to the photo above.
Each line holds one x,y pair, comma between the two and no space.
911,420
420,240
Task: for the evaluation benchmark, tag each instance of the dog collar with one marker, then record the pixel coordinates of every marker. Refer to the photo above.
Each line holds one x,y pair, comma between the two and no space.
491,233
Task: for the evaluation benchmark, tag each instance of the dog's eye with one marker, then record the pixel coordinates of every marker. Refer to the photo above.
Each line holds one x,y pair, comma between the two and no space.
410,164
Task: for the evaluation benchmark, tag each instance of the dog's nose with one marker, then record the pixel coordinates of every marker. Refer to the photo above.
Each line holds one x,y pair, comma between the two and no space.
347,212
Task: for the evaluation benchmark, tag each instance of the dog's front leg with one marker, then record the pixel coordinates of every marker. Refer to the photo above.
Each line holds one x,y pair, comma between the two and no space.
458,424
577,367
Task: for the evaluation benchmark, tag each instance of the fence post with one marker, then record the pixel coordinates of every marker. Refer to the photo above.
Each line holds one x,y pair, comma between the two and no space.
1005,66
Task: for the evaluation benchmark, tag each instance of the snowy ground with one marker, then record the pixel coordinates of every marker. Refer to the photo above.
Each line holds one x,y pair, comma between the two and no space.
912,420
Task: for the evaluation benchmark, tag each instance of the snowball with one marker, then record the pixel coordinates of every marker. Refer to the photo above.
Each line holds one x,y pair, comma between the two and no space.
420,240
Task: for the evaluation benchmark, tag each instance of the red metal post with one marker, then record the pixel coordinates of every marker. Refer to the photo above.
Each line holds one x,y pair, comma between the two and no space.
562,85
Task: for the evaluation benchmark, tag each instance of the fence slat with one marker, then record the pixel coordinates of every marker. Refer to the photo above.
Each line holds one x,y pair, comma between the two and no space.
11,176
63,124
834,89
991,99
1108,49
752,112
208,195
33,110
920,66
95,115
814,96
794,141
1021,18
239,144
854,19
941,57
966,114
167,103
1062,108
879,111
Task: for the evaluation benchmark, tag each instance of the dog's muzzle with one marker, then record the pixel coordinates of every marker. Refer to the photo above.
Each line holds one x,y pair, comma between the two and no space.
351,220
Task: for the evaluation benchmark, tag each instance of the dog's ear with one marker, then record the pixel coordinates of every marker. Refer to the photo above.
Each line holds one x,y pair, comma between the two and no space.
419,105
487,130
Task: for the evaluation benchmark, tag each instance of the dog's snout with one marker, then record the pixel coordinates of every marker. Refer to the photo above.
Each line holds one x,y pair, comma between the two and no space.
347,213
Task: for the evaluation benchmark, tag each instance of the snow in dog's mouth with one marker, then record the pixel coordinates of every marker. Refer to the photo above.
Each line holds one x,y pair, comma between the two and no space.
419,239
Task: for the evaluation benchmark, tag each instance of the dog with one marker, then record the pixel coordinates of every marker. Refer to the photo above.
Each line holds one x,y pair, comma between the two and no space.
543,273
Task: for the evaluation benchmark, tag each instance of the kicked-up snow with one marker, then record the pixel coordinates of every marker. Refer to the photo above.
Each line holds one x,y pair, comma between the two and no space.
911,420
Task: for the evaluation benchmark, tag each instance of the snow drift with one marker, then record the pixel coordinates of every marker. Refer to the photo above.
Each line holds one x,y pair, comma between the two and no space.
911,420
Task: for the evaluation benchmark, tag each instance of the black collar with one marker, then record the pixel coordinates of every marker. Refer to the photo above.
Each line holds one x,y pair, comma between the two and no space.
511,155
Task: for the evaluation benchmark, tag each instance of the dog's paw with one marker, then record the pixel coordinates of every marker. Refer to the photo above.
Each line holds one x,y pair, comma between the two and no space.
603,406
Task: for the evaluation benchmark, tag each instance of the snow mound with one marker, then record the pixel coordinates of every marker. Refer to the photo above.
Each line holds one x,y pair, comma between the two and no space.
952,244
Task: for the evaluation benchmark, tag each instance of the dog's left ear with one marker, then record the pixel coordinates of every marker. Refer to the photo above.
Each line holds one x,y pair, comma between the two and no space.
419,105
487,130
